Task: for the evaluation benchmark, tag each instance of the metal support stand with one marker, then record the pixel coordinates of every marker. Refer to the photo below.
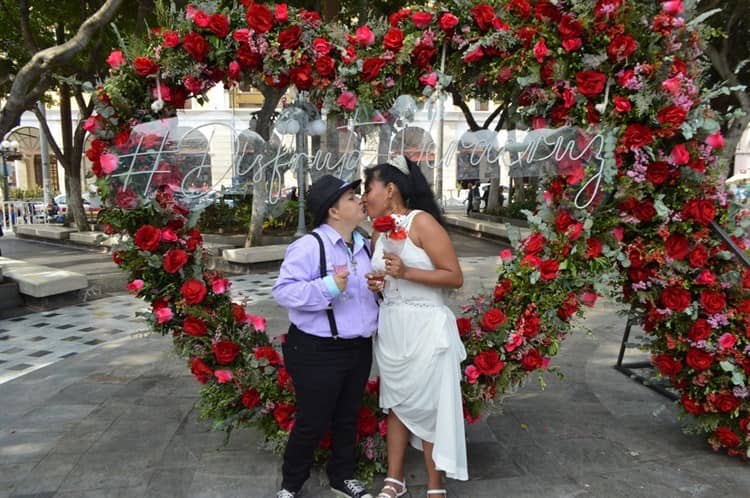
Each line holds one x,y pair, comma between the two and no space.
627,368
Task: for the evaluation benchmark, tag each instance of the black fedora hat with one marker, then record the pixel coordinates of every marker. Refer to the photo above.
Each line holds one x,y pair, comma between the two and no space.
324,193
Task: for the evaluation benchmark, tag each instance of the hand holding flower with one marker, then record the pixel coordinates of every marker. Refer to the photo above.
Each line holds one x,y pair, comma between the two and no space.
393,265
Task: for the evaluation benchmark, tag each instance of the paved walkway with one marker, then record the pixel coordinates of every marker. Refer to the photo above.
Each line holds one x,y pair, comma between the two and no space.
118,419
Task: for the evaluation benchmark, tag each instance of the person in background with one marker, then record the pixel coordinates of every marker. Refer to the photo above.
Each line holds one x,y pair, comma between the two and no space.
470,199
328,350
501,196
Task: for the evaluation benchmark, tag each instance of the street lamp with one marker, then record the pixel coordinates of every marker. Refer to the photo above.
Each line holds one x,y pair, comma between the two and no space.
9,150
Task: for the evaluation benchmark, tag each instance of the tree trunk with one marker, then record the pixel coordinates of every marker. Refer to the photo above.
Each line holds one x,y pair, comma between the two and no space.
71,163
271,98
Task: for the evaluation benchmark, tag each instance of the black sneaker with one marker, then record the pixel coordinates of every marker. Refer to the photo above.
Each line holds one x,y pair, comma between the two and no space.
350,488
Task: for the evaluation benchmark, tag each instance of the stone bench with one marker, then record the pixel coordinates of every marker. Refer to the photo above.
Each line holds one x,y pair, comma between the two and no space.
41,281
52,232
253,255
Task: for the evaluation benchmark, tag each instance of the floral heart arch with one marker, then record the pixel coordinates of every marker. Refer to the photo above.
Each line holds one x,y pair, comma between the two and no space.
624,73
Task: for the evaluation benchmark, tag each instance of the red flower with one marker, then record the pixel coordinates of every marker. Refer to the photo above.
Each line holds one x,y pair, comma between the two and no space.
367,422
568,307
393,40
545,11
268,353
238,312
593,247
726,402
677,246
259,18
447,22
713,302
522,8
283,414
529,324
284,379
250,398
301,76
325,66
484,16
644,210
636,135
464,326
200,370
174,260
171,39
549,269
570,27
145,66
371,68
690,405
126,199
383,224
532,360
421,19
248,58
422,56
700,330
147,238
219,25
698,359
675,298
395,18
501,289
489,363
196,46
493,319
534,243
193,291
667,365
321,46
195,327
194,239
225,352
727,437
657,172
698,257
671,116
621,47
701,210
289,39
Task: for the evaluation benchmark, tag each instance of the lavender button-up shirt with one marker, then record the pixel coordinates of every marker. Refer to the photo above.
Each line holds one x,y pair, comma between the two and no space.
300,289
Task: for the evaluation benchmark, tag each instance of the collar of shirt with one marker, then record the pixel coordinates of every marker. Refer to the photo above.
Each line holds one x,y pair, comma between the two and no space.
335,237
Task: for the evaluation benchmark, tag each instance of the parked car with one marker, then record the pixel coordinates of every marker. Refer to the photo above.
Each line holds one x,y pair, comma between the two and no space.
91,206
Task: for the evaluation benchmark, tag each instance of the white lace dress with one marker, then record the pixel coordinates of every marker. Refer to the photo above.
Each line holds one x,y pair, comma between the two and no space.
418,352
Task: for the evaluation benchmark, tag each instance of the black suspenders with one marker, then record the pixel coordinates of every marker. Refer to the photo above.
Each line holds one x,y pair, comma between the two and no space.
323,273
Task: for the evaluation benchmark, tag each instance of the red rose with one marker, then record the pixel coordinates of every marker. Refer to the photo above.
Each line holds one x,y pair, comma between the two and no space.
289,39
713,302
698,257
447,21
248,58
194,291
284,379
501,289
529,324
268,353
174,260
367,422
593,248
545,11
421,19
700,210
395,18
698,359
675,298
489,363
484,16
117,257
671,116
563,220
534,243
636,135
219,25
475,55
644,210
393,40
251,398
677,246
621,47
745,424
171,39
194,240
549,269
657,172
147,238
127,199
196,46
700,330
310,17
145,67
238,313
570,27
371,68
225,352
727,437
726,402
259,18
195,327
568,307
531,360
590,83
690,405
301,76
422,56
667,365
464,326
493,319
200,370
283,414
522,8
383,224
321,46
325,66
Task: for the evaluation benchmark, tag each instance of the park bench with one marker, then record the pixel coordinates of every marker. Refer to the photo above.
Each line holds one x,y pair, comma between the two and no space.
41,281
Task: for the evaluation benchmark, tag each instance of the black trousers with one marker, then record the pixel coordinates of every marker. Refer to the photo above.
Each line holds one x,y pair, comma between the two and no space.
329,379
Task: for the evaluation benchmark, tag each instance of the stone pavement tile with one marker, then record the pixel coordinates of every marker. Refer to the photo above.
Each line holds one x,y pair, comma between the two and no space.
86,390
45,477
138,491
171,483
538,486
20,447
106,472
60,417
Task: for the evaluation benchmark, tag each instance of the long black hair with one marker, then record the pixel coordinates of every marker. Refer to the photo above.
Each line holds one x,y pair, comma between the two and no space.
414,188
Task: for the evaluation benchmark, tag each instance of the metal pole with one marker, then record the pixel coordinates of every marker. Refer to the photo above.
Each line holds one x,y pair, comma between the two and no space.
439,145
6,196
301,142
44,151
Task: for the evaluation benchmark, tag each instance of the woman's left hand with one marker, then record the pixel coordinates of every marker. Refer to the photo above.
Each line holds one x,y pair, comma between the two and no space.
393,265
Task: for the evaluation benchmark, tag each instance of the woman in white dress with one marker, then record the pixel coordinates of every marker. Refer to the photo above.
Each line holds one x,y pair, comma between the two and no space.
417,349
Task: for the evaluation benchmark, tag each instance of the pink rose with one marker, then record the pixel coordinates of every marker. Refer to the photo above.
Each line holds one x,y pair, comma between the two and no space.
108,163
258,322
168,235
715,141
220,285
680,154
364,36
672,85
514,340
727,340
618,232
472,374
282,12
241,35
163,315
672,7
135,286
347,100
622,104
506,255
705,278
588,299
223,376
235,71
429,79
115,59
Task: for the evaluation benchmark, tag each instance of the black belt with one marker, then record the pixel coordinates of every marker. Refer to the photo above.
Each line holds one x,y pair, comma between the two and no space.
298,334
